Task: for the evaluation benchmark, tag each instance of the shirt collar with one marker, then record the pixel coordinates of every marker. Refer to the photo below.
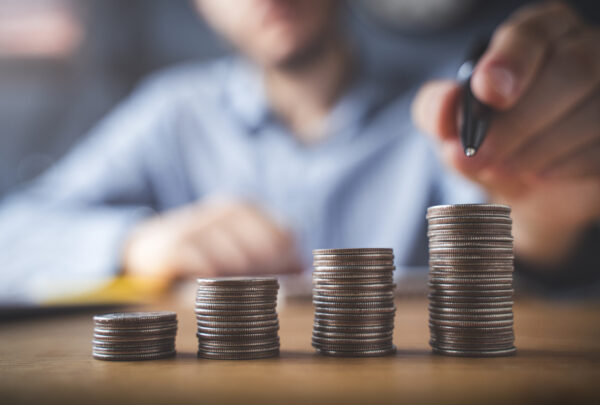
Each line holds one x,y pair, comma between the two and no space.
245,95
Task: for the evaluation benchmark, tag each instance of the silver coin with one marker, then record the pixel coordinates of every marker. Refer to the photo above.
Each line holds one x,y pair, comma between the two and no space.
477,288
353,346
364,353
471,330
238,331
133,338
329,309
135,317
468,238
354,268
453,209
103,348
352,317
468,226
235,312
455,345
362,341
352,283
474,232
140,332
353,334
487,338
441,300
470,219
237,318
136,343
239,349
253,324
438,246
237,356
237,281
206,343
134,357
136,326
235,305
354,303
470,318
470,250
453,290
472,265
353,263
376,327
139,350
129,333
434,320
389,295
470,309
250,292
471,275
346,289
478,353
352,349
239,336
353,251
351,275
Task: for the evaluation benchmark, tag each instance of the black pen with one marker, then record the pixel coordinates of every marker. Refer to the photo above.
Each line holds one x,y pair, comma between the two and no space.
475,114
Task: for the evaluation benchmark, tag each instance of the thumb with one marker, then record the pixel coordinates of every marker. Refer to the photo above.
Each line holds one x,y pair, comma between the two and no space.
435,111
435,107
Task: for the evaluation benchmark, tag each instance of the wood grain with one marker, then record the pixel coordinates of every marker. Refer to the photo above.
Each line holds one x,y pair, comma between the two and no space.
558,361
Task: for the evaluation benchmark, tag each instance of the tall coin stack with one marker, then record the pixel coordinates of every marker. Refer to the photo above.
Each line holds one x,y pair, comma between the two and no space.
134,336
471,280
237,318
353,295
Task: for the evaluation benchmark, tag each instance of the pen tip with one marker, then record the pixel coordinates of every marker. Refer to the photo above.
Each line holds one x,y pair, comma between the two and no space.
470,152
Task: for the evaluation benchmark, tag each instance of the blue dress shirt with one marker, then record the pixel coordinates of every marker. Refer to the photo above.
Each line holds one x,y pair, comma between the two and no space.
201,130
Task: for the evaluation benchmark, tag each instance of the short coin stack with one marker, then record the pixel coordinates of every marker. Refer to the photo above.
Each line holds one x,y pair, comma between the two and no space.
471,280
134,336
353,295
237,318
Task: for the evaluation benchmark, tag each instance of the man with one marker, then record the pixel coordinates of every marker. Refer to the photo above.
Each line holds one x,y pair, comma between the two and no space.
245,165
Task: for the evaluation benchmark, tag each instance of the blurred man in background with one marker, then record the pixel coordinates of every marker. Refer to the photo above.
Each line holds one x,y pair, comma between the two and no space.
244,165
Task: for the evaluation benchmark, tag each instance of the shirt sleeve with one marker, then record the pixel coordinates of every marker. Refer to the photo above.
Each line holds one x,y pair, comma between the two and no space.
63,232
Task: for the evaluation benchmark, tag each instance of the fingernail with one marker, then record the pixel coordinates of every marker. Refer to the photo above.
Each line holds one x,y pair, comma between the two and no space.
503,80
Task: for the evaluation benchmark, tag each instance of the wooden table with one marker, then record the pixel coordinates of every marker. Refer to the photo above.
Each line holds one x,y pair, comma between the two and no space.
558,361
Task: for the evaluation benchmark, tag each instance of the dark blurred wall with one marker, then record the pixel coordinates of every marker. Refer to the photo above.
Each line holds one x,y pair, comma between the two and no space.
47,103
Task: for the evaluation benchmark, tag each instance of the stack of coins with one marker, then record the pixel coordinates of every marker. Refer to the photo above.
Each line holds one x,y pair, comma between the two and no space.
471,280
353,295
134,336
237,318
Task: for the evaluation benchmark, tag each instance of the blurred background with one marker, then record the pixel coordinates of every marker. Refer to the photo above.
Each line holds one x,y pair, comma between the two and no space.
65,63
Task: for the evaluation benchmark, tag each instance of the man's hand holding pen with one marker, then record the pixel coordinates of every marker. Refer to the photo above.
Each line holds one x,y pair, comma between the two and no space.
541,155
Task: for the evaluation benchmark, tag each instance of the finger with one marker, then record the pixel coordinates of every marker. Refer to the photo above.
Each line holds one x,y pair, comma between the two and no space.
221,251
571,74
581,127
278,237
434,109
277,249
517,51
192,262
585,163
259,245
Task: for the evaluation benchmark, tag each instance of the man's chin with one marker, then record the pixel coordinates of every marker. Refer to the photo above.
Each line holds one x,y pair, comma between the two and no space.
300,57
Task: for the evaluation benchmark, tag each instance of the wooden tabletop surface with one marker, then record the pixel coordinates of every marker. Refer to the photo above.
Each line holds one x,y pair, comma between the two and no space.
558,361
